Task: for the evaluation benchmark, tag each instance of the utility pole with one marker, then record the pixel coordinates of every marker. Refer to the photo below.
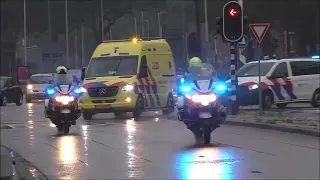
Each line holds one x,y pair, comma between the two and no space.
135,26
49,20
102,21
82,44
206,20
142,21
148,29
198,28
76,46
25,31
67,33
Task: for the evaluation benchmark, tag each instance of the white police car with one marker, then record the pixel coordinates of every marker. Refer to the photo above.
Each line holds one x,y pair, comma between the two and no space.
283,81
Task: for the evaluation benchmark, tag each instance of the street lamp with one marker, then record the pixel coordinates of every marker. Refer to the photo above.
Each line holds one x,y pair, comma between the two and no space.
148,28
135,26
159,23
67,33
25,31
102,20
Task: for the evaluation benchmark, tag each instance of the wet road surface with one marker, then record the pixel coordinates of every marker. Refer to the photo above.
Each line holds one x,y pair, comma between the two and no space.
154,148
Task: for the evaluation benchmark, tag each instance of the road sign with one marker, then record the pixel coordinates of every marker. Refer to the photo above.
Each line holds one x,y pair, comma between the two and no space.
244,42
259,30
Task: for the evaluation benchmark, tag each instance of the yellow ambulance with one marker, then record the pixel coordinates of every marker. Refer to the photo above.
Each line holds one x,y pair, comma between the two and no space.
129,76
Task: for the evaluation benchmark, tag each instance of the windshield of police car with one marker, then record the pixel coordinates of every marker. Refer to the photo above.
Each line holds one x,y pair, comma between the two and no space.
252,69
112,66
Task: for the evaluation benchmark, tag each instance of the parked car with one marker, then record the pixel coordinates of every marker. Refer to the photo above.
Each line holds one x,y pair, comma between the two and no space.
10,92
36,86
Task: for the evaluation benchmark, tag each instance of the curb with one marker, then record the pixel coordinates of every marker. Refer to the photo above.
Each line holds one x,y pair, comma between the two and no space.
23,167
276,128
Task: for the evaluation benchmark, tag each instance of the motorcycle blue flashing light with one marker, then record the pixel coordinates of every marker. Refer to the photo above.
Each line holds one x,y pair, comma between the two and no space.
185,89
182,80
79,90
315,57
50,91
220,88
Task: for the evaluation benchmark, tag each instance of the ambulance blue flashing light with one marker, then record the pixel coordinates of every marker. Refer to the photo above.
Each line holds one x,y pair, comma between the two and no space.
315,57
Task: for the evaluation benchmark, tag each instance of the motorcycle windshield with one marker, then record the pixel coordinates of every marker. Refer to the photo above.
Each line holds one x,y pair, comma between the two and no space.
205,72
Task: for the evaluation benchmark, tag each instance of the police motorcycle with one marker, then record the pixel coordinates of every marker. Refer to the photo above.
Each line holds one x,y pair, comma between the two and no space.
61,107
199,103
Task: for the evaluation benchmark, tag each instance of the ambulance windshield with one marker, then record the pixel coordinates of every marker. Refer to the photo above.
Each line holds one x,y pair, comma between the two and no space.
112,66
252,69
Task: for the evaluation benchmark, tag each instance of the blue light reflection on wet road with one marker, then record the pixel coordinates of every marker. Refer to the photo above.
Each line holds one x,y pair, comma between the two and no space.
205,163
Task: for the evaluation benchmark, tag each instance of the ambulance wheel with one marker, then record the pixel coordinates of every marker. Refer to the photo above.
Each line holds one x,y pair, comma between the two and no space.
316,99
281,105
87,115
267,100
139,107
170,105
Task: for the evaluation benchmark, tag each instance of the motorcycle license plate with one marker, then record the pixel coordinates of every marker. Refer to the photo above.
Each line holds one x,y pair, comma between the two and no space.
65,111
205,115
102,106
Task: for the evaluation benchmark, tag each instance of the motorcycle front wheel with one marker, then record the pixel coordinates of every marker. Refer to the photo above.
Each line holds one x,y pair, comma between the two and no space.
207,136
66,126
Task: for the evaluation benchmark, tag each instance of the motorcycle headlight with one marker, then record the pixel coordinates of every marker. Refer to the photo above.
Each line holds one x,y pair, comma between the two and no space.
128,88
64,99
253,87
204,100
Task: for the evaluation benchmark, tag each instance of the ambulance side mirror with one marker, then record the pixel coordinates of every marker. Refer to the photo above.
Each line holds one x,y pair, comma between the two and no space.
83,73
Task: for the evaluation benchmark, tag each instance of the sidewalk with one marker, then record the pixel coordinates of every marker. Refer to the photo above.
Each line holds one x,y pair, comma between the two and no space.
6,164
304,121
293,121
13,166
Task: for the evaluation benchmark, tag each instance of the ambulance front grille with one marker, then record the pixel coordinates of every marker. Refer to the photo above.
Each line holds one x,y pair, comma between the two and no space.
103,91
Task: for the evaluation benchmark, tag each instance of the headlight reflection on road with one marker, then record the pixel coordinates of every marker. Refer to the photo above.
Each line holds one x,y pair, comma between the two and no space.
133,160
205,163
67,151
30,109
85,138
31,132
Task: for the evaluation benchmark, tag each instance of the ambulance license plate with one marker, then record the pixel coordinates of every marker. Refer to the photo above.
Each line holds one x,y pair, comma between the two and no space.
102,106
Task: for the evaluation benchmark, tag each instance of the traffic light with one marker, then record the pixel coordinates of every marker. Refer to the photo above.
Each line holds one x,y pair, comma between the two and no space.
219,25
232,21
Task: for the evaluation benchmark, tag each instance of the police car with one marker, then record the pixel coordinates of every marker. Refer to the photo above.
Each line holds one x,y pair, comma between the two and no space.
282,81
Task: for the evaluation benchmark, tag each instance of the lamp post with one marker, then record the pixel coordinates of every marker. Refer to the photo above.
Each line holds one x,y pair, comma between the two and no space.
25,31
148,28
135,26
159,23
67,33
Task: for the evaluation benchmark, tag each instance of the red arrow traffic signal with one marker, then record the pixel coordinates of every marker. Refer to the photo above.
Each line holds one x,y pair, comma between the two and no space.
233,12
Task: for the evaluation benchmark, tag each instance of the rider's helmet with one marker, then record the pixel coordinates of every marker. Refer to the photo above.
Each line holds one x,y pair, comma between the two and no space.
195,62
61,70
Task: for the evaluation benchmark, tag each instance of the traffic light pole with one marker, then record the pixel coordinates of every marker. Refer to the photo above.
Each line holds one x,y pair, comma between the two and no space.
234,77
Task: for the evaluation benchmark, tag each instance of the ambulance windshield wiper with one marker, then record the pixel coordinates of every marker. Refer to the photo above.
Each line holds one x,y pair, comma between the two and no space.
115,71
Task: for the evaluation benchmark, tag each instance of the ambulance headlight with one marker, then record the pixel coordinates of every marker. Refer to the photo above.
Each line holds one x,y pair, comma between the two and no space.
128,88
253,87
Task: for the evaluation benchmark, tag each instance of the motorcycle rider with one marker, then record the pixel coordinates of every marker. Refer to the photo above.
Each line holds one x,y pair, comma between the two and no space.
60,78
194,67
